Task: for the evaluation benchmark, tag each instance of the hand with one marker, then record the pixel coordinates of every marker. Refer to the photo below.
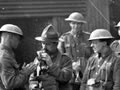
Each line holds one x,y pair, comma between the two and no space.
76,65
36,61
29,68
91,81
47,58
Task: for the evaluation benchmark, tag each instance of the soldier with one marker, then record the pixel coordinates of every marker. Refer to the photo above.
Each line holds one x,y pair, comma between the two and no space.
115,46
74,44
103,68
10,75
55,69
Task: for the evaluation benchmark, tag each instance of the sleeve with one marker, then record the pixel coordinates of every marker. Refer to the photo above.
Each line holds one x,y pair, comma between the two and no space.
116,75
61,44
62,72
85,75
10,75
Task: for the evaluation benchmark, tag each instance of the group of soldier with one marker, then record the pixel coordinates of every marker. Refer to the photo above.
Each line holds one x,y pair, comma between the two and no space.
77,60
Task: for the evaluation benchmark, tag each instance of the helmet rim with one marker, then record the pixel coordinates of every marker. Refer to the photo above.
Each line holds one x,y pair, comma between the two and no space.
79,21
11,29
100,34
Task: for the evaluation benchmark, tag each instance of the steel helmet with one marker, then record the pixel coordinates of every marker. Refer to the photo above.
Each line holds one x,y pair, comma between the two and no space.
12,29
100,34
76,17
118,25
48,35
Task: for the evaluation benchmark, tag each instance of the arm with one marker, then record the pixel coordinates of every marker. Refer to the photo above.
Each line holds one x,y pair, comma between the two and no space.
62,72
61,44
116,75
11,76
85,76
64,45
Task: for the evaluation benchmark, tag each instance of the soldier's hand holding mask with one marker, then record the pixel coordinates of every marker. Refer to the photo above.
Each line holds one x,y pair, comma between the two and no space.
91,81
76,65
29,68
47,59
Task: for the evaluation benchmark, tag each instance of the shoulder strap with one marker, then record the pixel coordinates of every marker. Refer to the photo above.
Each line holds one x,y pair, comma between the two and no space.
106,64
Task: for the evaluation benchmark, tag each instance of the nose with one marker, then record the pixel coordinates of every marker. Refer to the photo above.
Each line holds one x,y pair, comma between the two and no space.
91,45
43,46
75,24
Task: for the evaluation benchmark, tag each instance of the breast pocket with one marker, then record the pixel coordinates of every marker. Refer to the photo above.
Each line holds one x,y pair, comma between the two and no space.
105,71
103,74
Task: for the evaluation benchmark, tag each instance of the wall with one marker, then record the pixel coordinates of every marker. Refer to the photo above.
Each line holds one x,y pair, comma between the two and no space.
97,14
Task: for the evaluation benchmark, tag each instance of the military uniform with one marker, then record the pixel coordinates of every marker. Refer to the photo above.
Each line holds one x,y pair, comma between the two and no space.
59,73
57,76
77,48
102,72
10,75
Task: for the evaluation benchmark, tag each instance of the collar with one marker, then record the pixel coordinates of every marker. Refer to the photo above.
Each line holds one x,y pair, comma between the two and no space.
78,34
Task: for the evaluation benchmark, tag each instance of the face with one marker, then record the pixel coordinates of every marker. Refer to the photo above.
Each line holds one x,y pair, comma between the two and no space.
49,47
75,26
97,45
15,40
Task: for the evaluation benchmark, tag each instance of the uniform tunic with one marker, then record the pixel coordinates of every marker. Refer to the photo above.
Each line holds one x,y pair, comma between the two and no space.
104,71
58,75
10,75
76,47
